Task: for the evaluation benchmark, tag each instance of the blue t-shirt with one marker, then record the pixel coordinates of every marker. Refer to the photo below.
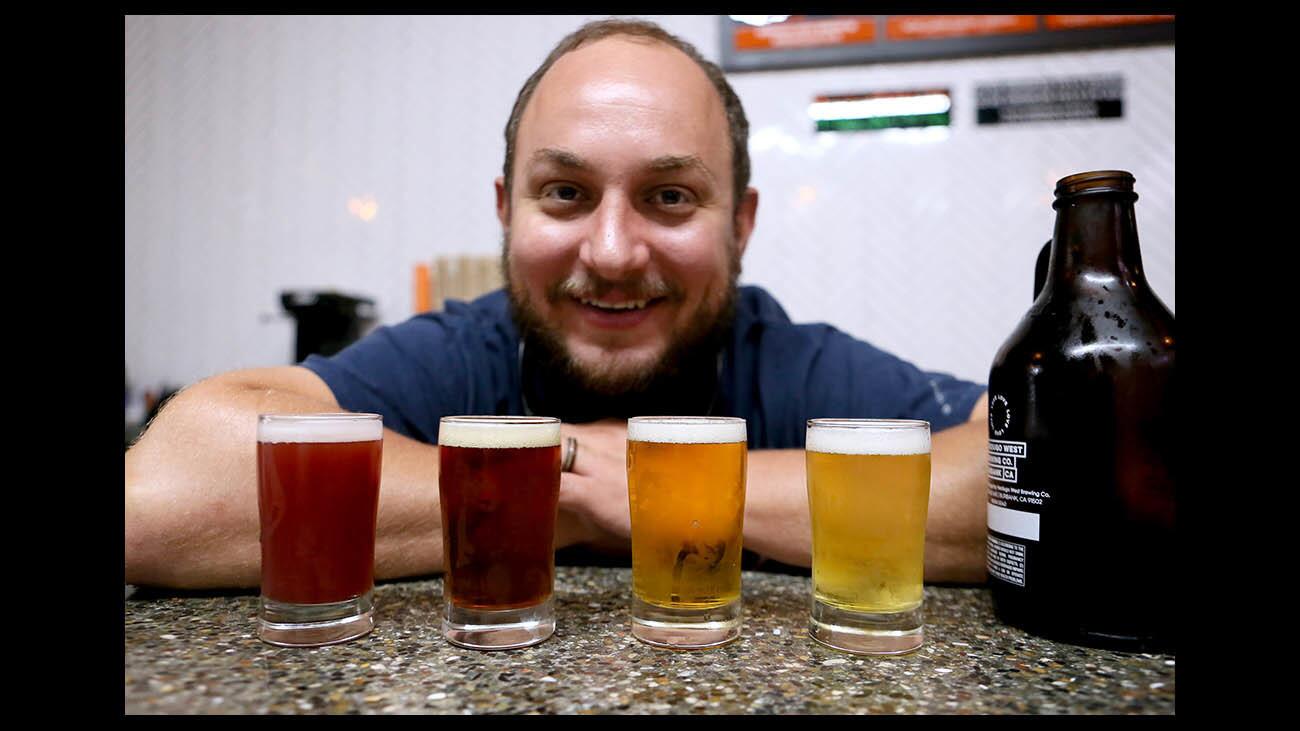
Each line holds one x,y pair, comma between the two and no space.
774,373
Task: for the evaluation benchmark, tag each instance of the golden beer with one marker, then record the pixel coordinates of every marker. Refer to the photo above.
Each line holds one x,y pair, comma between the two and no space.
868,495
686,493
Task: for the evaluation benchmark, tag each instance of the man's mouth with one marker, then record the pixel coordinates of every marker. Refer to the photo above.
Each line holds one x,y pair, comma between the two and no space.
616,314
616,306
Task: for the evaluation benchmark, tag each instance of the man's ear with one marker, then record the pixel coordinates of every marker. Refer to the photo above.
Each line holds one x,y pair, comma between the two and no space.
746,211
503,203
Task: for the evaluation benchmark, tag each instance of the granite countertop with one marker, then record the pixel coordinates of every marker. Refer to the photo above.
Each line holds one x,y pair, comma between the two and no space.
200,654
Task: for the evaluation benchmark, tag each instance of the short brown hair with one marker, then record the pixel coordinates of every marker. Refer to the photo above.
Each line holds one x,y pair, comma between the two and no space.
737,123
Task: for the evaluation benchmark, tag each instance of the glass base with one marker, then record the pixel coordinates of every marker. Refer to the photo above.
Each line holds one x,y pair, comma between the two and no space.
313,625
685,629
499,629
866,633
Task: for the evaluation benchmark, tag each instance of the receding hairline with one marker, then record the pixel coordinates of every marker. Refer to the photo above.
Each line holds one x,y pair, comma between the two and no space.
713,92
662,163
646,32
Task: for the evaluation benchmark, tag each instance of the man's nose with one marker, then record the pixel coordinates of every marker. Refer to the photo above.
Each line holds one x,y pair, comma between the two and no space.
614,248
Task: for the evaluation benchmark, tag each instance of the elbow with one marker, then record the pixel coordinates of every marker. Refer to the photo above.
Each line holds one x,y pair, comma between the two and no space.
141,557
148,558
167,544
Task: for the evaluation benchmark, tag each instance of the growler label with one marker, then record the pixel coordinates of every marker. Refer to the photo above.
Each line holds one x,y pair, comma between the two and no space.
1014,507
1006,560
1004,456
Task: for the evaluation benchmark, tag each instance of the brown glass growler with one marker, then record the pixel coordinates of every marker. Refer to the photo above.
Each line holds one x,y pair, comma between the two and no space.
1081,411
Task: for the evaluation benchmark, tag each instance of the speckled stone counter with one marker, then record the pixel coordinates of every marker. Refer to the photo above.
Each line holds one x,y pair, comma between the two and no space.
200,654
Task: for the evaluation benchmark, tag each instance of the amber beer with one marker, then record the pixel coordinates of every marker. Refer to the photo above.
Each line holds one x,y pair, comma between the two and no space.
868,494
318,501
686,493
499,482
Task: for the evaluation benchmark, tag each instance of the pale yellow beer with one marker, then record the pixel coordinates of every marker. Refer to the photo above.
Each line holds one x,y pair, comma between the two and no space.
868,495
686,494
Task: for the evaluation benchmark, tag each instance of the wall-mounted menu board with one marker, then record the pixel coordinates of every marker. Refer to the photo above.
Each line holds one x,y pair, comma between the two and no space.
759,42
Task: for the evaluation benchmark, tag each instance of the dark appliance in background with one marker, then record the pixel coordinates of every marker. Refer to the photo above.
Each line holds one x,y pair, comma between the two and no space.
327,322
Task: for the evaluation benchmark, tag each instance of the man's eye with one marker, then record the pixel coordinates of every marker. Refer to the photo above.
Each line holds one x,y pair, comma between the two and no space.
563,192
671,197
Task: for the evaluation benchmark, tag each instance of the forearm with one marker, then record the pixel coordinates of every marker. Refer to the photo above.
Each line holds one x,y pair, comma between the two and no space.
956,525
191,491
191,488
777,523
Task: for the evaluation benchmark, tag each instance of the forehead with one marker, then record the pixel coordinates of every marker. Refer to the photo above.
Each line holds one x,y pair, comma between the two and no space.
636,95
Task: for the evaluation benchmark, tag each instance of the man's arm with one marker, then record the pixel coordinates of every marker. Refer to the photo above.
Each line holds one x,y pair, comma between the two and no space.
191,485
776,510
956,527
776,503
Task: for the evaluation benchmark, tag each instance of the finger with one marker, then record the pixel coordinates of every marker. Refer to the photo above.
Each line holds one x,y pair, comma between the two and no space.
574,491
592,457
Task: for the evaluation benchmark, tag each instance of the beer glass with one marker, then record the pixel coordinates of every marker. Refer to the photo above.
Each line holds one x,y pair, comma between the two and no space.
318,501
499,482
686,493
868,494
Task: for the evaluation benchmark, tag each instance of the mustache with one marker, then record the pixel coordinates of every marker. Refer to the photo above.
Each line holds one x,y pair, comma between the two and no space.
584,285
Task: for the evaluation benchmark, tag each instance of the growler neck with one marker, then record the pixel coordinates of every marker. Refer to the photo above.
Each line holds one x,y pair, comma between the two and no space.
1096,234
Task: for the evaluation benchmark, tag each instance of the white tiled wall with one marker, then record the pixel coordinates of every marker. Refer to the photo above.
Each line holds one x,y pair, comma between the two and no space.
246,138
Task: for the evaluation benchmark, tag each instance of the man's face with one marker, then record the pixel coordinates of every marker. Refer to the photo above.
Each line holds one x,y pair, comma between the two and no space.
622,240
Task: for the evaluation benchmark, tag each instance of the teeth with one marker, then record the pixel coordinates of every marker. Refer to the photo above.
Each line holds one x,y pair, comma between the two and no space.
633,305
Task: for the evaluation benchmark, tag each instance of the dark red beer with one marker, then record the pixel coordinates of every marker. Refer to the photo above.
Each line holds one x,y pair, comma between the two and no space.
498,517
319,502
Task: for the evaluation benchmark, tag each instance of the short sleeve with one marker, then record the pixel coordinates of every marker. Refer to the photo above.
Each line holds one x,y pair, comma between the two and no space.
850,378
782,374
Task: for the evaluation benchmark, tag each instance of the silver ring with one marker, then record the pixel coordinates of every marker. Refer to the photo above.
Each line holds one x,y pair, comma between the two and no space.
570,453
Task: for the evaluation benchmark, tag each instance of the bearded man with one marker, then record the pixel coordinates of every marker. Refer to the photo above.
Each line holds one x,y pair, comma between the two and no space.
626,208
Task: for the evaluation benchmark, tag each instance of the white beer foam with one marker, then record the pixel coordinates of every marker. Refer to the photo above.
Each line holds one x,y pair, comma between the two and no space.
320,430
891,441
498,434
686,431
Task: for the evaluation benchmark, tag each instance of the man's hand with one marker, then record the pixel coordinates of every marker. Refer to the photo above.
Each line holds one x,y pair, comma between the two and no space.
594,494
594,506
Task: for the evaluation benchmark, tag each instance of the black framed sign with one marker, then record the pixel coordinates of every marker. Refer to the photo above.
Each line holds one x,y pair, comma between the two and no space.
1037,100
761,42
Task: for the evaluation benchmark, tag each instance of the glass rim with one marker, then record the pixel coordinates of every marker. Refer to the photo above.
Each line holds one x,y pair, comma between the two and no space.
686,419
888,424
322,416
503,419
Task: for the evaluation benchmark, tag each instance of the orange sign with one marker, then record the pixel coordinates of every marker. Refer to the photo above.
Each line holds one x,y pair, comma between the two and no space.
1068,22
806,34
828,40
423,298
920,27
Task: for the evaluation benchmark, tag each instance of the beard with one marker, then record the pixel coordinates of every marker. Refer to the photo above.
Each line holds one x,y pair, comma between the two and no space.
692,347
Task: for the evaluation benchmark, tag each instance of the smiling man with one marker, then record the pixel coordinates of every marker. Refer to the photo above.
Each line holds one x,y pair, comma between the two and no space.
624,226
626,209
